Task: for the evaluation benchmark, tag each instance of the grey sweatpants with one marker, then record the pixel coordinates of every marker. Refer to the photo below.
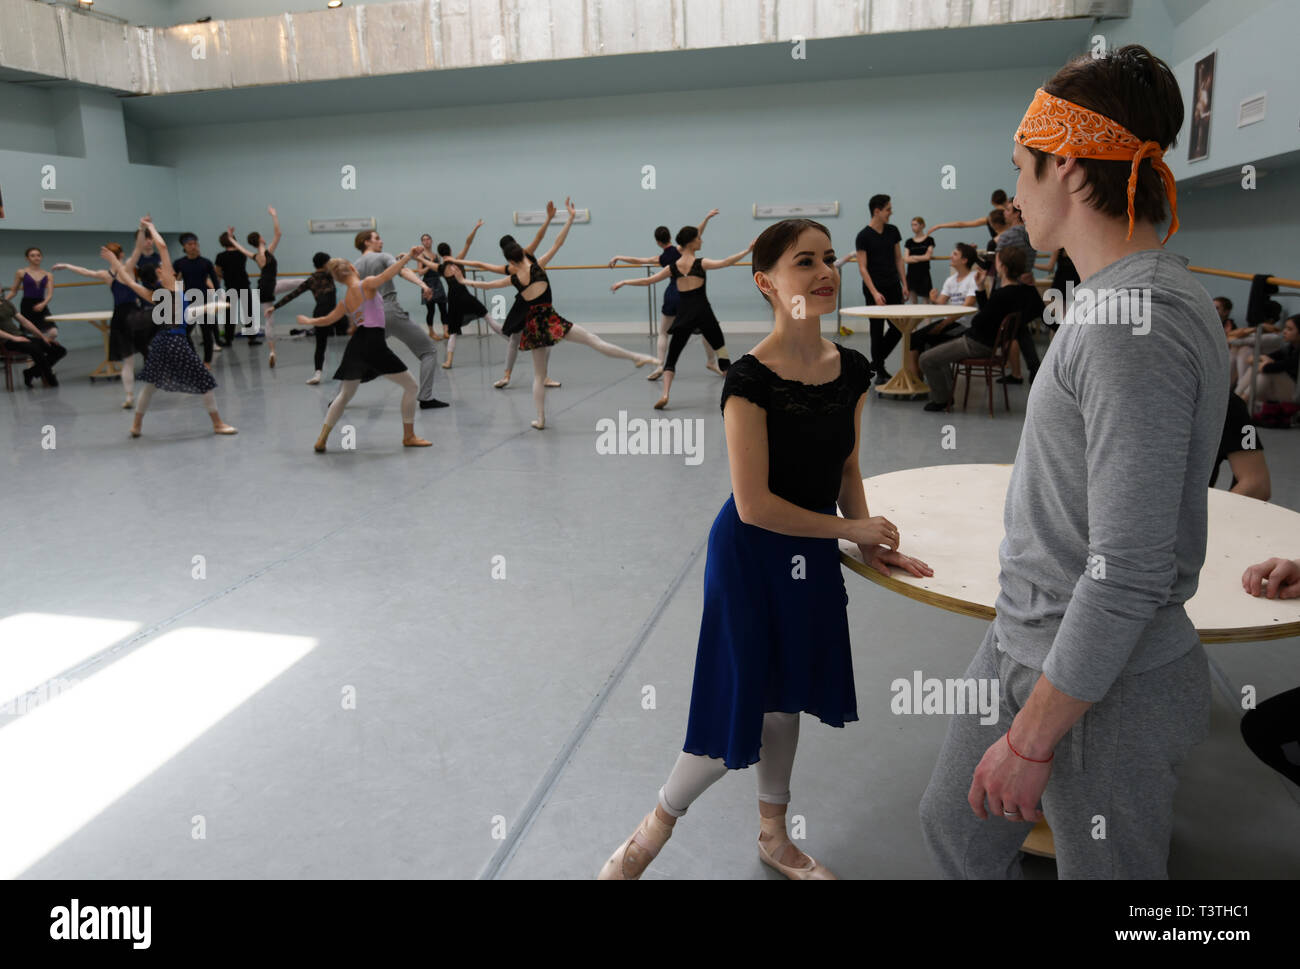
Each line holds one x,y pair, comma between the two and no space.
1113,775
400,326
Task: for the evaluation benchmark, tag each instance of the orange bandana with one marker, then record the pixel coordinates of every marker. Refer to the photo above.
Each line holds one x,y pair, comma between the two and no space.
1063,128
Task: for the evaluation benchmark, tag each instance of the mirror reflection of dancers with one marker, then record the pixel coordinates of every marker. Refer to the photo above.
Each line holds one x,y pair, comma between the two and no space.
693,309
668,311
171,363
367,354
543,328
38,289
325,290
774,640
124,341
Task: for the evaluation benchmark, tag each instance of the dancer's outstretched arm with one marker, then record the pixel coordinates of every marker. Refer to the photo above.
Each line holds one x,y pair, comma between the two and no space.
487,267
275,222
234,241
469,240
398,265
541,233
965,224
166,275
564,234
705,221
660,276
485,284
329,319
634,261
103,275
730,260
136,251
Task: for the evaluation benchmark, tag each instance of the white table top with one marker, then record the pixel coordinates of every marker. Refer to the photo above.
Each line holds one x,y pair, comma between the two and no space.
103,316
94,316
898,311
950,517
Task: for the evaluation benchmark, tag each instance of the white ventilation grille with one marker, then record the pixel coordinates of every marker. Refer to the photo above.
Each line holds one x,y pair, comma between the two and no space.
56,205
1252,110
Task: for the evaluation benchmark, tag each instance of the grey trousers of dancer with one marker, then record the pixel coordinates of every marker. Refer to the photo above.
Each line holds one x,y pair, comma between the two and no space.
1113,774
936,364
416,337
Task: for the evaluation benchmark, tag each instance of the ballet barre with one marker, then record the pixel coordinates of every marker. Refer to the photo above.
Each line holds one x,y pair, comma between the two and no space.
905,317
960,542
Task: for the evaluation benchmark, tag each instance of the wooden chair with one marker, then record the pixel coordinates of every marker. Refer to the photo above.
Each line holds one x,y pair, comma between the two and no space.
10,357
989,367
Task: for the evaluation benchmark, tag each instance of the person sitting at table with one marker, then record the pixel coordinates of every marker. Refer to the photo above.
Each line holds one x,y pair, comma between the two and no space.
1105,685
1242,448
1013,297
958,288
1272,729
38,289
34,343
1278,371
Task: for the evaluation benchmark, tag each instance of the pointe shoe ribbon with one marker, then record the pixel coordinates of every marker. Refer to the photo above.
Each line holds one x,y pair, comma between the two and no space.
772,849
651,835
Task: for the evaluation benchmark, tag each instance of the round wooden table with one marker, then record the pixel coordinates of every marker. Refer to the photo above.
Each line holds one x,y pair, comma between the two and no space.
906,317
960,540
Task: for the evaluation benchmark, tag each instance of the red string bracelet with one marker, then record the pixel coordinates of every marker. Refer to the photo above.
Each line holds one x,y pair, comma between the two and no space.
1023,757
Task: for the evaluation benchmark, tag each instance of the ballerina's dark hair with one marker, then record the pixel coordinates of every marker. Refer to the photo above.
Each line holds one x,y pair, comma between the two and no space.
776,240
320,259
444,249
687,234
663,236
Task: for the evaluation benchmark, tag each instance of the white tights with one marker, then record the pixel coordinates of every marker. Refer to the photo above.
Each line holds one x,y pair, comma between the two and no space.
693,774
128,374
146,394
349,388
584,336
541,355
512,352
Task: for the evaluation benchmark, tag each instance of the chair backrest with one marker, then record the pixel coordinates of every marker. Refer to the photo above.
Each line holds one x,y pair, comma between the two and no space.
1008,331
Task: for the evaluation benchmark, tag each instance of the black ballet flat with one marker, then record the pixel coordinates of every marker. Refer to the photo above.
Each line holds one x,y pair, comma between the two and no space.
28,376
433,402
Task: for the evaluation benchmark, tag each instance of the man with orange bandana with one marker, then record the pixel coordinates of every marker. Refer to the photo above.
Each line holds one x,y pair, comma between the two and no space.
1103,680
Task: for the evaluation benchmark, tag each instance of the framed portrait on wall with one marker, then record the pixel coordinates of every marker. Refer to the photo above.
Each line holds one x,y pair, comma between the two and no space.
1198,145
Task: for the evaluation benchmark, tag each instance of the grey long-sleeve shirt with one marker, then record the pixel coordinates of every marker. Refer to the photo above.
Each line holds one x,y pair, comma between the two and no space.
1106,512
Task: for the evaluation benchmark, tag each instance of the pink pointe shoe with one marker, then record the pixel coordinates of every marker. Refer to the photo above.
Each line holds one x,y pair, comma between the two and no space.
774,847
644,844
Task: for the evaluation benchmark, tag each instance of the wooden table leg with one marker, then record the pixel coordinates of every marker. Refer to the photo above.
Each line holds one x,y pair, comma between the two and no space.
109,368
903,384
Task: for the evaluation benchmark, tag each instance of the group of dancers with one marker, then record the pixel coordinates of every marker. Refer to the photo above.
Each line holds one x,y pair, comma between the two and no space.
369,311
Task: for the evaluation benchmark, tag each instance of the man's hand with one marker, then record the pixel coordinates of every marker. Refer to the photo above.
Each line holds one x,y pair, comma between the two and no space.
1011,785
1282,575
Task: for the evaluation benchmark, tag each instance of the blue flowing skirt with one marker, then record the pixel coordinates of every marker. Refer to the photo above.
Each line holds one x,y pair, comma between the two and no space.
774,638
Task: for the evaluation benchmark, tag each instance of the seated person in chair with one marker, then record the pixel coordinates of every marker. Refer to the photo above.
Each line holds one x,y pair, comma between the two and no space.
1011,297
34,344
959,288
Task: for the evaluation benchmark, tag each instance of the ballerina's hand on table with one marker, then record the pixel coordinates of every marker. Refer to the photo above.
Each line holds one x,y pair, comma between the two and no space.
877,539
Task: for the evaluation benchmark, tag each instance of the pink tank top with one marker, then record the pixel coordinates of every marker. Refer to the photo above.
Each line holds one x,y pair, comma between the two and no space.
372,312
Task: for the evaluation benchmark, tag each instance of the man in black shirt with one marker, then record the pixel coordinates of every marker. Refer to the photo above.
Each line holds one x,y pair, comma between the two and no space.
197,272
232,270
880,263
1011,297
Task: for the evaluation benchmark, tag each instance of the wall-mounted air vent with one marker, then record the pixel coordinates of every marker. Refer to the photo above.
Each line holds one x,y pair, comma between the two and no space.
56,205
1251,110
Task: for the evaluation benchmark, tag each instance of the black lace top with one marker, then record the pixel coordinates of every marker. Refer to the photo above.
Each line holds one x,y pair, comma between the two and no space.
810,432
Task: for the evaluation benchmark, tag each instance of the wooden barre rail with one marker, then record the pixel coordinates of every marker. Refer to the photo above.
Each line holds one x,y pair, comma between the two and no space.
1227,273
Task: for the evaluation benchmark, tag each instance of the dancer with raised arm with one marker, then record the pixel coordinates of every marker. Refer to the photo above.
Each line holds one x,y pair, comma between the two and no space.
124,341
668,311
264,256
171,363
232,270
694,312
325,290
367,355
543,328
774,639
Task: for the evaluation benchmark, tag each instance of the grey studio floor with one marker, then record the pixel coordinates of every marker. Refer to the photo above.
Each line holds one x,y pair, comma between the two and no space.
430,720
